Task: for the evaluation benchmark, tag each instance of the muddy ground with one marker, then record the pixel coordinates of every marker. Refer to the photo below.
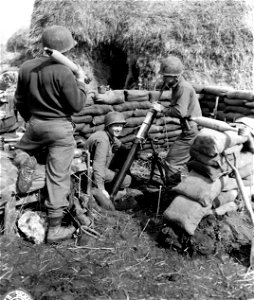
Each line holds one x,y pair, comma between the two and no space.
139,256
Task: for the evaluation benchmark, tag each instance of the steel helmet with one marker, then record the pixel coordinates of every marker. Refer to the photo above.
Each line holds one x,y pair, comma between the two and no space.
58,37
171,66
114,117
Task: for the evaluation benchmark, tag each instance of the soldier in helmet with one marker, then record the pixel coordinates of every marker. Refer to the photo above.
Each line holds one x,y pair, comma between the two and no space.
184,104
47,95
107,154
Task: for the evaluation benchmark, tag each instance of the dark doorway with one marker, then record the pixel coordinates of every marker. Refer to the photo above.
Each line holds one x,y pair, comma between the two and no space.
119,68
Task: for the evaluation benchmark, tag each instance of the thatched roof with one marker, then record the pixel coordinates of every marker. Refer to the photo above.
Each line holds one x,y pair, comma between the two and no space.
139,24
209,35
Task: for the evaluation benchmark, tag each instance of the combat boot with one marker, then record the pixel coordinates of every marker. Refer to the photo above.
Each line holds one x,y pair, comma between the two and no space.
56,232
26,173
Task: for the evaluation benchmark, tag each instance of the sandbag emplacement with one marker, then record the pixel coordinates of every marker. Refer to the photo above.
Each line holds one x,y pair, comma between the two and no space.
136,95
186,213
110,97
199,188
211,142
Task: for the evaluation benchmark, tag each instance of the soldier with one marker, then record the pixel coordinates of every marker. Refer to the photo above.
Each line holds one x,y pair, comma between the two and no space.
47,95
107,155
184,104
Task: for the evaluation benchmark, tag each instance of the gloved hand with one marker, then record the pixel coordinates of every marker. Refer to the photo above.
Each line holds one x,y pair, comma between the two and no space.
157,106
116,144
105,193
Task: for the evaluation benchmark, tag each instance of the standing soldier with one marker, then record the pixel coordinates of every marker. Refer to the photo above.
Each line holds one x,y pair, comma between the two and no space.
47,95
184,104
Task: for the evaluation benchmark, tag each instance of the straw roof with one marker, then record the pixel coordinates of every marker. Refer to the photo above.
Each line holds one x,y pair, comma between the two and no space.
209,35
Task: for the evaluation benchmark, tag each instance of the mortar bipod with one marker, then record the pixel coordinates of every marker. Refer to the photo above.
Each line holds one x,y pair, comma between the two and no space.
156,160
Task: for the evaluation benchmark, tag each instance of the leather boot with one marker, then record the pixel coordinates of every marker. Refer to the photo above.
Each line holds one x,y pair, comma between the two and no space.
56,232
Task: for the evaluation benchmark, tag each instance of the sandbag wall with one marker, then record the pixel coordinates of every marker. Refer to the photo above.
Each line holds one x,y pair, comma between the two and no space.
223,103
210,186
134,104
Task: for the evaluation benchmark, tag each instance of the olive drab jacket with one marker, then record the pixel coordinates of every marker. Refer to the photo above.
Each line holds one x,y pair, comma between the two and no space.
184,101
100,145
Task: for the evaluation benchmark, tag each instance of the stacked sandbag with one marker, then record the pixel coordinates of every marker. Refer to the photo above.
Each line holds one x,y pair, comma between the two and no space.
8,118
225,103
163,131
134,104
210,183
8,178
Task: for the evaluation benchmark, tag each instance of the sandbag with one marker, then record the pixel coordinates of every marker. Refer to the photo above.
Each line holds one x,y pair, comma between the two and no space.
139,113
132,105
216,90
218,160
8,124
82,119
199,188
155,128
240,94
8,177
79,127
238,109
225,208
229,184
134,121
206,112
110,97
246,158
165,135
249,104
86,129
39,178
212,142
98,120
165,96
220,115
207,160
234,102
136,95
213,173
225,197
186,213
128,114
211,105
233,116
96,109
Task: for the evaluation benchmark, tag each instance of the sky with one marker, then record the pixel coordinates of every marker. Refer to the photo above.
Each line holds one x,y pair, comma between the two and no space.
14,15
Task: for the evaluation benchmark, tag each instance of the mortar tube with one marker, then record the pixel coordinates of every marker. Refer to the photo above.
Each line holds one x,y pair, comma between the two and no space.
141,135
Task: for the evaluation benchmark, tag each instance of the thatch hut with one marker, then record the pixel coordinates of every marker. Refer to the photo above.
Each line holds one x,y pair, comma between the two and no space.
121,42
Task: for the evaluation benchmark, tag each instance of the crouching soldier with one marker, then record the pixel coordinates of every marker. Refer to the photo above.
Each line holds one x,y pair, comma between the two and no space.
107,156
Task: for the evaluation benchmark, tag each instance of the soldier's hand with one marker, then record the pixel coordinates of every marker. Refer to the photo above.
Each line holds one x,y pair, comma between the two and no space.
116,145
157,106
105,193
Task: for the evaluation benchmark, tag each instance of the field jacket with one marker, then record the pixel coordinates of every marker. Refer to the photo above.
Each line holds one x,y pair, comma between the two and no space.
184,101
100,144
